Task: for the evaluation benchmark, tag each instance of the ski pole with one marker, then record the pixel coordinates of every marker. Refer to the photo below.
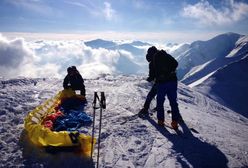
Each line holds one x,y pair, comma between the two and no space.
103,100
93,127
102,106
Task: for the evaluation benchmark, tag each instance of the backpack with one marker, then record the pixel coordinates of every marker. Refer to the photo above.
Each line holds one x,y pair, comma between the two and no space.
164,67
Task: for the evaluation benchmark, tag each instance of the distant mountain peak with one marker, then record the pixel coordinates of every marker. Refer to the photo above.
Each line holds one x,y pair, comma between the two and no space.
100,43
139,43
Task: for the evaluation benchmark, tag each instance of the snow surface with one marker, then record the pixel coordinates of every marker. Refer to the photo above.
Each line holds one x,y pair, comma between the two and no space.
200,81
241,47
127,141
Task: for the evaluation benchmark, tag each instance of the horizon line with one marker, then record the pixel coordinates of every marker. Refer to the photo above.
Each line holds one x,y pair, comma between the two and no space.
164,37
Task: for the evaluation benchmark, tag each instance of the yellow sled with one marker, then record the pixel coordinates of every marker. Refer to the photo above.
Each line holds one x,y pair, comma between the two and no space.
42,136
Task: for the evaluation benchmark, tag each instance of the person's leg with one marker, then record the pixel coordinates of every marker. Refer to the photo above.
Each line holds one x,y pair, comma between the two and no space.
161,92
152,93
172,96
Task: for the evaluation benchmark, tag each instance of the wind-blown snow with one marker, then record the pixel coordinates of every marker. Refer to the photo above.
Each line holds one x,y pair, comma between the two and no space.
127,141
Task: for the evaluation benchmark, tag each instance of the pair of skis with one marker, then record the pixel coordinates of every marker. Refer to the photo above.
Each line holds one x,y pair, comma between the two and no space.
166,124
101,105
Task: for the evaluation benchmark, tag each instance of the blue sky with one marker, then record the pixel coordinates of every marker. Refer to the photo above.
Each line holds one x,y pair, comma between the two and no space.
150,20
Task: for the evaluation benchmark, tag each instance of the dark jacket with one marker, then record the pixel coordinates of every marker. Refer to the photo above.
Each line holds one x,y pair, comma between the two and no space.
76,82
151,75
163,67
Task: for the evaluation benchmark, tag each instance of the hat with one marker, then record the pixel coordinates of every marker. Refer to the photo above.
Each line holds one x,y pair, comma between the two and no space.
150,52
69,69
73,68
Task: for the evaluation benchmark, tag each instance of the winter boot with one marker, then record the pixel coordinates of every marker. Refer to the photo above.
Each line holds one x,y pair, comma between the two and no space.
180,118
174,125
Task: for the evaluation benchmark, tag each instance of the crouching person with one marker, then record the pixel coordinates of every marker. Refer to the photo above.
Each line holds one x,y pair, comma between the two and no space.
74,80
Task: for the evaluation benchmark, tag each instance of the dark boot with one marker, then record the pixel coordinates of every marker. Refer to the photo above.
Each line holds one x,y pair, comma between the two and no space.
143,112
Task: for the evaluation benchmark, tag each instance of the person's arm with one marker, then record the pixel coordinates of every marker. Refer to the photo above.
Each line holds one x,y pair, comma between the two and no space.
66,82
173,63
151,75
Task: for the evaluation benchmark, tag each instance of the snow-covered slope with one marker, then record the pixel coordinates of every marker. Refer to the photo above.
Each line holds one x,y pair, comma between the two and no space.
127,141
200,52
229,85
241,48
198,72
180,50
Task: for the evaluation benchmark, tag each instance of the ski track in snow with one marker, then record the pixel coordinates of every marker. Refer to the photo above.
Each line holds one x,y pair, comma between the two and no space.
127,141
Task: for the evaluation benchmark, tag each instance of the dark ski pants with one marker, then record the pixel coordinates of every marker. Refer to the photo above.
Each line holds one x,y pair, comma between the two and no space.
152,93
169,89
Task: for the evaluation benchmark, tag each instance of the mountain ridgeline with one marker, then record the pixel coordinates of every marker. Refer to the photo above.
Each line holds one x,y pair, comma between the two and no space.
217,68
212,54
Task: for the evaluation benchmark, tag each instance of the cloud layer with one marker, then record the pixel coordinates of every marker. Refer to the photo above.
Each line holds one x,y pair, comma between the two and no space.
47,58
207,14
14,54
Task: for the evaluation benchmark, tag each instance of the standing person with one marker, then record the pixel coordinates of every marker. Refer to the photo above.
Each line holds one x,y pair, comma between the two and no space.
151,77
74,80
164,70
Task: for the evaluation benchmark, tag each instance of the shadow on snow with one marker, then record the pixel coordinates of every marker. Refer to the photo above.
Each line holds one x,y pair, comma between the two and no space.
191,151
34,156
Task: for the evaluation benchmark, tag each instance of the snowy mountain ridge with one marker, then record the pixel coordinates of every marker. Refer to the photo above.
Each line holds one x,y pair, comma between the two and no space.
205,57
207,79
228,85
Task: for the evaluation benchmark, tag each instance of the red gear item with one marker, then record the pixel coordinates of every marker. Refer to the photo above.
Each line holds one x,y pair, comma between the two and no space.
50,119
53,116
48,124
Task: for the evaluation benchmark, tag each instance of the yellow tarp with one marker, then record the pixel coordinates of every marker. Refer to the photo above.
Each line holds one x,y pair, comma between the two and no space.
42,136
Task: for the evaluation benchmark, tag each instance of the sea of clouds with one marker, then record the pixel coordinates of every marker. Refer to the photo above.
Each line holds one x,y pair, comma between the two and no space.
50,58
